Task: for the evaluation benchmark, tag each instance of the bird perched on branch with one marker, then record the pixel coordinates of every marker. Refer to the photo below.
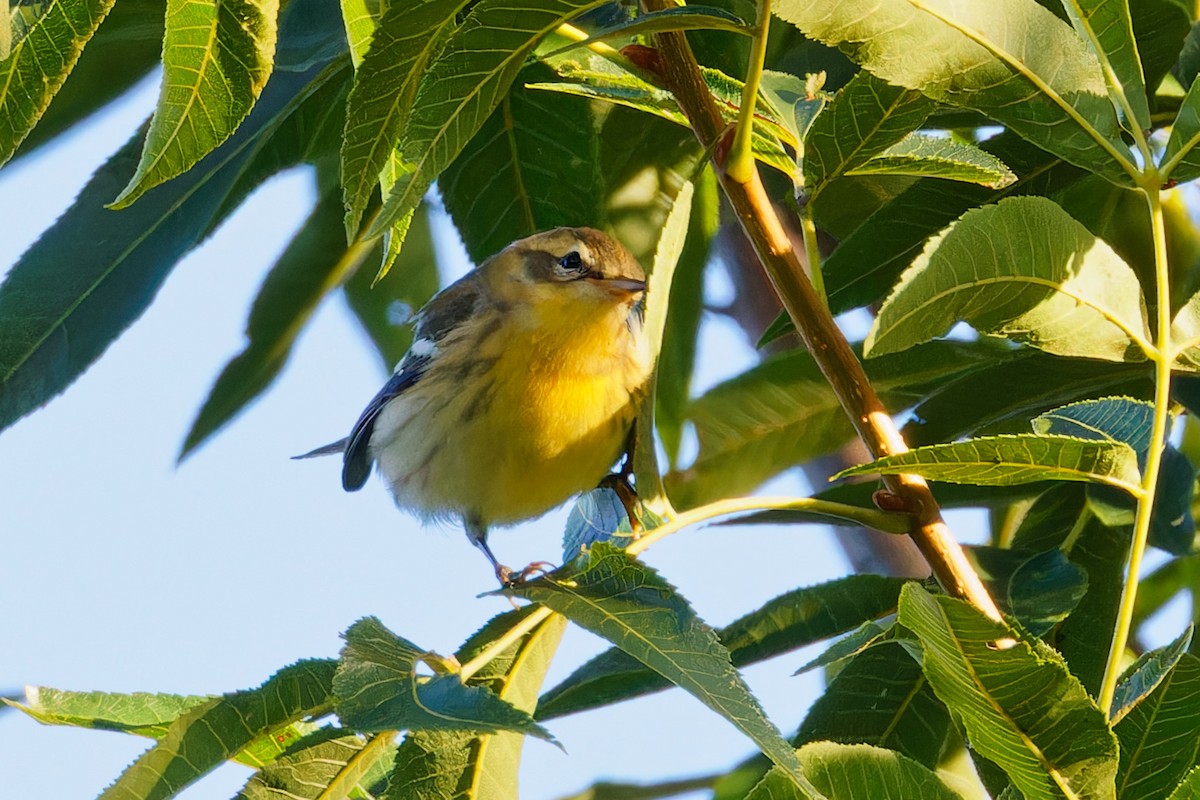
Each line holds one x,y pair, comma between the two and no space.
519,390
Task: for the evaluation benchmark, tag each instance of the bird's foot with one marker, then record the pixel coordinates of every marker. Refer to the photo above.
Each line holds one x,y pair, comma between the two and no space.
508,578
618,482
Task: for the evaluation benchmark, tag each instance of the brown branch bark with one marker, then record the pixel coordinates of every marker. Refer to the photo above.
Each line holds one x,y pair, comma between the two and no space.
816,326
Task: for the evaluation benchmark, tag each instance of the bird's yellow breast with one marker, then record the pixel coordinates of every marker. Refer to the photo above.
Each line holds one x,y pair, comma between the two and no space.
536,410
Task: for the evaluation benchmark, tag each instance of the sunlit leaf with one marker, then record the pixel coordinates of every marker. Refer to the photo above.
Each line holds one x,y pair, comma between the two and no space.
407,38
33,69
433,765
327,763
1020,706
625,602
785,623
1024,270
1160,735
866,117
462,87
1011,60
1012,459
140,713
209,734
857,771
925,156
217,57
1106,26
379,688
522,172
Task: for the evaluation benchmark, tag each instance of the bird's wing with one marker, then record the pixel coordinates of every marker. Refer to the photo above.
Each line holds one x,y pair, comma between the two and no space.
444,313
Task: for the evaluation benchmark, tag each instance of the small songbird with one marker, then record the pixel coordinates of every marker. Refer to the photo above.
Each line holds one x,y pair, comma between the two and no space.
519,390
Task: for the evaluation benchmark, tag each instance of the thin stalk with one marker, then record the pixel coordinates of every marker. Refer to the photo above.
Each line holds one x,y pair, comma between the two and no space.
741,160
1158,435
812,252
506,641
869,518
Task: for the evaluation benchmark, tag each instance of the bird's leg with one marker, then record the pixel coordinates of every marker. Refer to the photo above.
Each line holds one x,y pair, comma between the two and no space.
619,482
477,533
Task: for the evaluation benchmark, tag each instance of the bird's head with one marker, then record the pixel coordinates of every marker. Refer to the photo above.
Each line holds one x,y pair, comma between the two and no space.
573,270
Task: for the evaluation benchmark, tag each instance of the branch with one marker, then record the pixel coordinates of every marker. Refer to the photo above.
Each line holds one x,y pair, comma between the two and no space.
816,327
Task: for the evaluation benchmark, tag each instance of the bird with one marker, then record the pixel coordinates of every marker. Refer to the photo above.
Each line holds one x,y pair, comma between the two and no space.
519,391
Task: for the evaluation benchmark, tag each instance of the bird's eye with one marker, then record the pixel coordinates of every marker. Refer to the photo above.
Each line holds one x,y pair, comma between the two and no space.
571,265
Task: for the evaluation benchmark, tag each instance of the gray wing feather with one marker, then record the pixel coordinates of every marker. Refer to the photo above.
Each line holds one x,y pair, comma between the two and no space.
444,313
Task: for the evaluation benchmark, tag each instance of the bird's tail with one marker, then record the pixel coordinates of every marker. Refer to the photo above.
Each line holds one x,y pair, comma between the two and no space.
335,448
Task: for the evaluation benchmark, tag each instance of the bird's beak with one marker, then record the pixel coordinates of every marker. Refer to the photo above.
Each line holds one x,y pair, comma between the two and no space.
622,285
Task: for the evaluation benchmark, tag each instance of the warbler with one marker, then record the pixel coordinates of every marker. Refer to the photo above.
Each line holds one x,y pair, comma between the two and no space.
519,390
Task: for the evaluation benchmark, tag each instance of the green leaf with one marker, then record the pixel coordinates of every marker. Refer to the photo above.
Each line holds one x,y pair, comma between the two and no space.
409,35
315,263
1160,27
1007,459
795,107
926,156
1020,706
1024,270
1185,330
787,622
1180,161
866,117
1108,419
682,18
623,601
866,263
360,19
859,640
34,68
1145,675
209,734
881,698
325,764
1123,419
782,412
523,172
217,59
1188,788
121,52
1107,28
1038,588
1060,518
1004,395
385,310
140,713
63,303
857,771
1011,60
673,376
463,86
1160,736
379,688
435,765
604,81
